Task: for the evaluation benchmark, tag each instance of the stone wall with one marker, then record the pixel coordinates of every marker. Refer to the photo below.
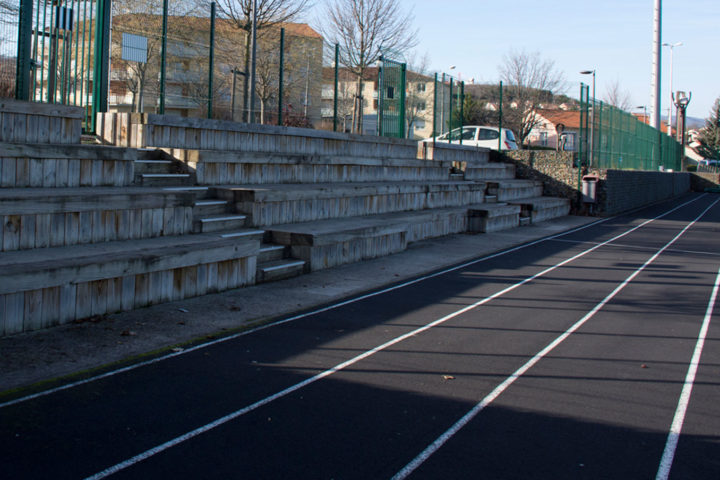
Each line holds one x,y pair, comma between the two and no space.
554,169
700,181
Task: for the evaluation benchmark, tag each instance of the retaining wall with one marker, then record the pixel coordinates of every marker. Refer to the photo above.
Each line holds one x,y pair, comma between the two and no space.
617,190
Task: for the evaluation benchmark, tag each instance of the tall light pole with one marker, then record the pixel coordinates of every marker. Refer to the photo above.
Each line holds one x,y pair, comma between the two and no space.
670,105
592,121
655,77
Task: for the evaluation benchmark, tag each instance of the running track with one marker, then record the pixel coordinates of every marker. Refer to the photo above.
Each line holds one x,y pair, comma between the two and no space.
592,354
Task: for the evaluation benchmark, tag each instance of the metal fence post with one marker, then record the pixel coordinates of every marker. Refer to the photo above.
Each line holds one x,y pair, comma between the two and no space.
335,91
101,73
211,59
450,119
435,98
401,119
22,71
281,75
500,118
163,58
581,138
461,99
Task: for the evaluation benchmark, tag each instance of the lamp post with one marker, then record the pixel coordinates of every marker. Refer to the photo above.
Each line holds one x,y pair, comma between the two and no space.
672,49
592,121
645,117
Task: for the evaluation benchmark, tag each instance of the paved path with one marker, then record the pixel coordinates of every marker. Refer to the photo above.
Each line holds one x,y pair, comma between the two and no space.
592,354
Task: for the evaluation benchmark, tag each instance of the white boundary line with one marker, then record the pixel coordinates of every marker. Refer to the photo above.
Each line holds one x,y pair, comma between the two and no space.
336,305
677,423
220,421
442,439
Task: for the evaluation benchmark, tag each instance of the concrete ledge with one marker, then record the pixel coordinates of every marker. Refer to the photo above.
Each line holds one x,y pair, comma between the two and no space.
47,287
490,171
453,152
507,190
32,122
336,242
493,217
169,131
540,209
41,218
64,165
283,204
222,168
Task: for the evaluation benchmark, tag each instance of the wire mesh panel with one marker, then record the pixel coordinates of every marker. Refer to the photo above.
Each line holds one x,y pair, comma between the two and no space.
616,139
391,98
9,18
62,52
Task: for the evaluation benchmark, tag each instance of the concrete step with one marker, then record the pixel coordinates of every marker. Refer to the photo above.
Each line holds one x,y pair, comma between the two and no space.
207,207
45,287
198,192
216,223
154,166
164,179
493,217
279,269
271,252
539,209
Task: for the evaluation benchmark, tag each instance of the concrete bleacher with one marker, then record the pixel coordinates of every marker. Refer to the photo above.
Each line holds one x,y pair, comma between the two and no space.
170,208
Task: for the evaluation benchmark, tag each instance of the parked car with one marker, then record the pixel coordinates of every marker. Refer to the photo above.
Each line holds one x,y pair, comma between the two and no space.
478,136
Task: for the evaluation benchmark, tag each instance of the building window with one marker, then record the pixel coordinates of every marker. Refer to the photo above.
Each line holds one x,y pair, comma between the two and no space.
543,139
421,87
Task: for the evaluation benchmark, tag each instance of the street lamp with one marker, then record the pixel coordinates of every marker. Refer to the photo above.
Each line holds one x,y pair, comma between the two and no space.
592,123
672,49
645,118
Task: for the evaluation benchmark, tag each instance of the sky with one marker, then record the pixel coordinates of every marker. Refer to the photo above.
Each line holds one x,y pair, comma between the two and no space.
612,37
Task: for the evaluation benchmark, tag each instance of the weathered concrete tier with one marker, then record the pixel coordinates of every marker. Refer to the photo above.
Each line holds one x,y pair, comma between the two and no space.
490,171
222,168
47,287
51,217
453,152
493,217
507,190
65,165
39,122
329,243
281,204
175,132
543,208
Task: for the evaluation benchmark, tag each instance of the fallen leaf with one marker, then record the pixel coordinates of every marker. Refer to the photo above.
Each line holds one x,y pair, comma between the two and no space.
177,349
448,377
643,366
128,333
184,310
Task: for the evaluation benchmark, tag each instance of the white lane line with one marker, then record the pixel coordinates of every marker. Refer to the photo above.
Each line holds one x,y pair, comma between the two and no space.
448,434
679,418
220,421
637,247
324,309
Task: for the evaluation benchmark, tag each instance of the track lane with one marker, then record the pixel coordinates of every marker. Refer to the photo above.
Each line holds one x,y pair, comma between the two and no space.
270,369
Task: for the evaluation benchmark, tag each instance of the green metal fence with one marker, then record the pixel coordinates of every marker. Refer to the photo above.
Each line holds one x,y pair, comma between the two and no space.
448,104
391,98
60,53
611,138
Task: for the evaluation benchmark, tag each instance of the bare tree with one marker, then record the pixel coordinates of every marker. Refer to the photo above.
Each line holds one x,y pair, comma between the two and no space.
617,97
268,14
363,28
531,81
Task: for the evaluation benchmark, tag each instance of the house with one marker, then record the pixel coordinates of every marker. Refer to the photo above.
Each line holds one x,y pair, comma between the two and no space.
135,86
555,128
419,94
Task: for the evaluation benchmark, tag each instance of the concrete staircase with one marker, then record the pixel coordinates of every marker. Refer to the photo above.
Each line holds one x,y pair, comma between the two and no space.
89,230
